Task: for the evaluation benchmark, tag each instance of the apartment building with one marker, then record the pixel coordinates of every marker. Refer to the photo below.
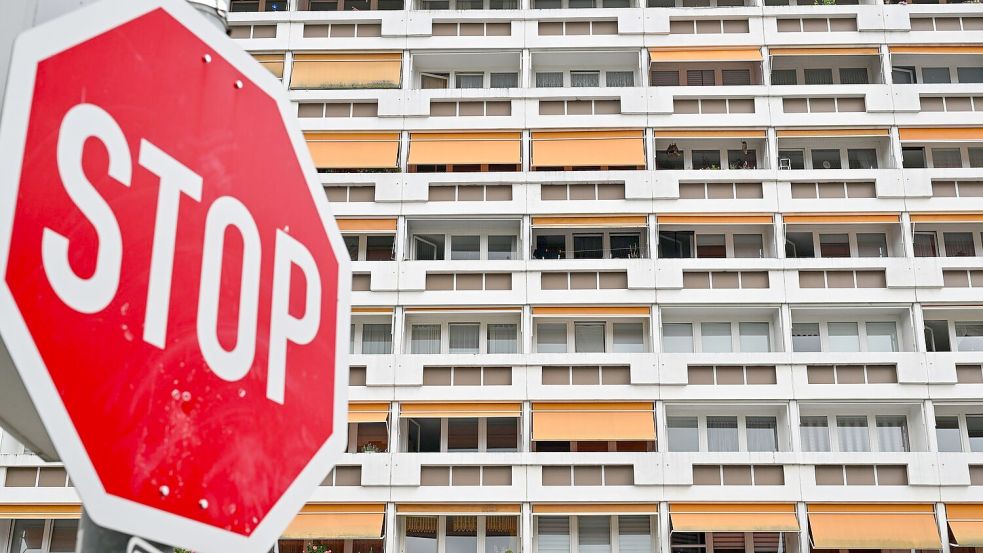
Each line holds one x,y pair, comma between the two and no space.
669,276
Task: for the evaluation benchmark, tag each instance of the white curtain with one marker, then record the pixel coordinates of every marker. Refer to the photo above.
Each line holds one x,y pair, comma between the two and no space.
502,338
464,338
892,433
762,434
620,78
882,336
722,434
635,534
594,534
589,337
549,79
815,433
425,339
852,433
629,338
553,535
377,339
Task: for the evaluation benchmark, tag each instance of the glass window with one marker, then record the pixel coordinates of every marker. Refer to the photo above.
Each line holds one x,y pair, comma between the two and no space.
635,534
425,339
503,338
892,433
799,245
684,433
958,244
903,75
675,244
665,78
741,159
735,77
470,80
501,247
421,534
814,432
629,338
871,244
783,77
970,74
464,338
551,338
863,158
844,337
466,247
706,159
501,534
594,534
588,337
853,75
937,336
550,246
762,434
502,434
722,434
936,75
882,336
377,339
462,534
585,78
379,248
27,536
755,337
913,157
462,434
64,534
969,336
553,534
947,434
429,248
834,245
716,337
504,80
588,246
626,246
619,78
749,245
713,246
926,244
795,159
975,157
946,157
677,337
818,76
351,243
826,159
974,427
805,337
852,433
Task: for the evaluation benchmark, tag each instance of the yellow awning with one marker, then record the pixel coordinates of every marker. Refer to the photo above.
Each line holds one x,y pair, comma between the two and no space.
966,523
952,217
347,70
941,134
21,511
588,148
704,54
824,51
626,421
592,310
459,410
873,526
733,517
592,221
351,521
272,62
710,133
374,309
368,412
717,219
367,225
832,218
594,508
812,133
457,508
935,49
446,148
354,150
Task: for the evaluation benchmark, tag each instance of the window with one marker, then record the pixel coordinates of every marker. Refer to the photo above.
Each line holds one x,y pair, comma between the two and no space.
501,248
700,77
749,246
379,248
706,159
634,534
736,77
871,244
377,339
959,244
903,75
675,244
853,75
755,337
762,433
585,78
892,433
794,159
588,337
665,78
936,75
711,246
722,434
974,427
970,74
502,434
863,158
826,159
594,534
716,337
466,247
462,434
429,248
469,80
619,78
913,157
588,246
626,246
551,79
684,433
818,76
946,158
926,244
502,338
464,338
550,247
882,336
628,338
834,245
553,534
425,339
551,338
460,534
969,336
799,245
501,534
852,433
351,243
948,435
677,338
843,337
937,336
814,432
783,77
504,80
805,337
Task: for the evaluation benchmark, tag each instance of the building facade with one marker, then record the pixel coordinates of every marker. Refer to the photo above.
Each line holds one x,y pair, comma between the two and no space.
696,276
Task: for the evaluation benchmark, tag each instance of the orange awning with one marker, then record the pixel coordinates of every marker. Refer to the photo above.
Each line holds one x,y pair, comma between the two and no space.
935,49
873,526
351,150
733,517
367,225
950,217
716,219
588,148
368,412
941,134
592,310
672,54
347,70
593,221
459,410
457,508
710,133
449,148
626,421
812,133
833,218
21,511
351,521
272,62
824,51
594,508
966,523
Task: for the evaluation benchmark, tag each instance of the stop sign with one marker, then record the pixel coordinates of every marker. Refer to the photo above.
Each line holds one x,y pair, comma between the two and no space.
174,288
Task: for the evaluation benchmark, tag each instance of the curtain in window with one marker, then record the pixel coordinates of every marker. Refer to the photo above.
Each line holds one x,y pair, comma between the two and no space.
814,432
736,77
783,77
959,244
969,336
589,337
882,336
502,338
892,433
470,81
551,79
594,534
946,158
684,433
665,78
819,76
553,535
504,80
421,534
722,434
852,433
844,337
628,338
551,338
620,78
585,78
805,337
926,245
634,534
377,339
464,338
762,434
853,75
754,337
425,339
677,337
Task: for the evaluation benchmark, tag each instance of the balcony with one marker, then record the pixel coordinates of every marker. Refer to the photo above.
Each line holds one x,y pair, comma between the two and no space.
857,236
715,237
465,70
671,67
710,150
472,241
834,149
825,66
615,237
911,65
588,69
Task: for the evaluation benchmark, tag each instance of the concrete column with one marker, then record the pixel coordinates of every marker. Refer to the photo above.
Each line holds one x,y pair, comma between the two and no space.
771,143
765,67
886,65
928,411
649,148
895,147
907,235
288,68
404,150
941,519
528,329
663,546
399,327
778,225
526,529
786,314
526,427
402,240
917,323
392,532
803,514
793,425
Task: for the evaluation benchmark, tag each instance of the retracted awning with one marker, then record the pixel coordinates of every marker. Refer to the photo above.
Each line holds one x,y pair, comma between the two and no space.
824,51
948,217
595,508
672,54
367,225
715,219
272,62
591,311
21,511
733,517
592,221
624,421
940,134
814,133
459,410
834,218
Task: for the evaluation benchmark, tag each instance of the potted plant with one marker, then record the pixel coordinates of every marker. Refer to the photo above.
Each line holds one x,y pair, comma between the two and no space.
369,448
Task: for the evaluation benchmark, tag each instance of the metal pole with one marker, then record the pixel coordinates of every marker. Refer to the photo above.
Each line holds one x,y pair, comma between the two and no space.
216,11
93,538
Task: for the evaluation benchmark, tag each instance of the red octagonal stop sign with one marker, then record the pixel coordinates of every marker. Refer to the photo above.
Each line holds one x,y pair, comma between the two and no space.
174,288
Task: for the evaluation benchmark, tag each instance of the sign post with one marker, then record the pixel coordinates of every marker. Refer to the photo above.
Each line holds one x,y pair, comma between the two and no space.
173,287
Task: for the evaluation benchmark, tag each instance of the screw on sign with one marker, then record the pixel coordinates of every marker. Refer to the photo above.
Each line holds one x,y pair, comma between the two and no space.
174,287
